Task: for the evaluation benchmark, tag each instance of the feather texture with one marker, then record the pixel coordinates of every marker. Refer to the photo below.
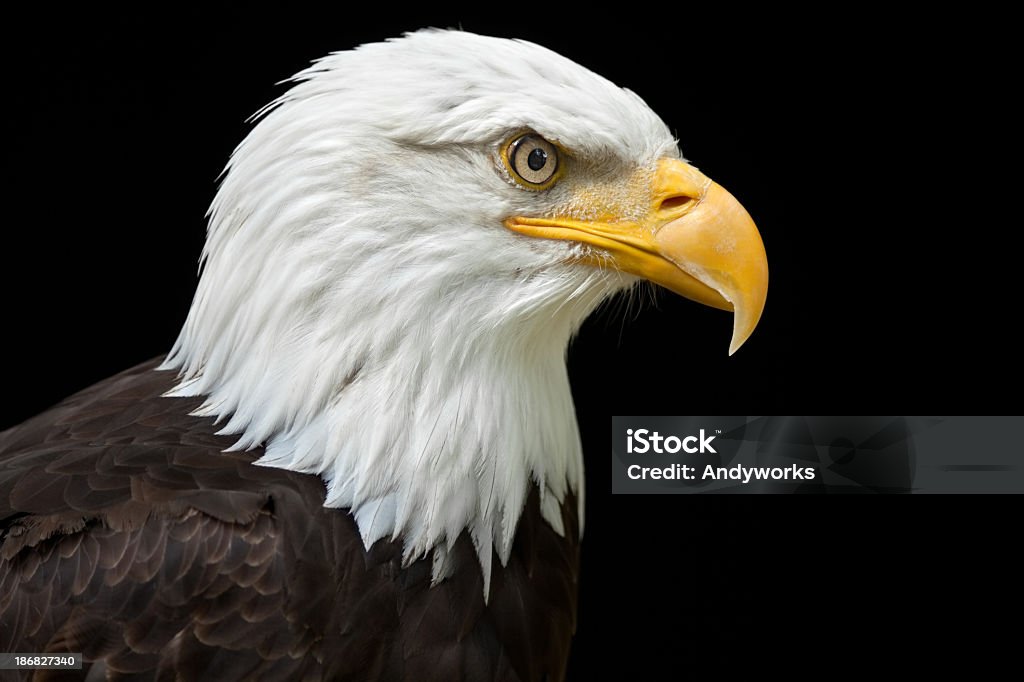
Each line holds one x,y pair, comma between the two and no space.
128,535
364,314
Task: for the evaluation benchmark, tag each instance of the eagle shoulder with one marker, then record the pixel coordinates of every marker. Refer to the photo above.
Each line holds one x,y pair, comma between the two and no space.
127,533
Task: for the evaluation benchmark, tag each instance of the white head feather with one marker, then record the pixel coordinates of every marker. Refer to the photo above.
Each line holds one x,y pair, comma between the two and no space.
364,314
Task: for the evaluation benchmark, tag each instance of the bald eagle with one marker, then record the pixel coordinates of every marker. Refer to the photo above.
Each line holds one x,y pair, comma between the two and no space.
360,459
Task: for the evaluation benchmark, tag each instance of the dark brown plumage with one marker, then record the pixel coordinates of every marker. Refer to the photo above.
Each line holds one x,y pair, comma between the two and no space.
127,534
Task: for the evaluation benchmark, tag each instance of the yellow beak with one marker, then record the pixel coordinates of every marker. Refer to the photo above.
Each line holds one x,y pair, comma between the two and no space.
696,240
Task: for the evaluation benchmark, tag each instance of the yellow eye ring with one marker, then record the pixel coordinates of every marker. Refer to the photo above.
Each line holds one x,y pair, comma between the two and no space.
532,161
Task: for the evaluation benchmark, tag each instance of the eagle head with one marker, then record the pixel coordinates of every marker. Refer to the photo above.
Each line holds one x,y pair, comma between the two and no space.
397,257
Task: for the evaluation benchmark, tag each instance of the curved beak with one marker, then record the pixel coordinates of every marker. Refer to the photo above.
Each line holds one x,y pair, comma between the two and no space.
696,240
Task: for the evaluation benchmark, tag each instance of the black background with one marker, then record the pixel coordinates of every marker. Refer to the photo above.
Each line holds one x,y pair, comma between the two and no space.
867,149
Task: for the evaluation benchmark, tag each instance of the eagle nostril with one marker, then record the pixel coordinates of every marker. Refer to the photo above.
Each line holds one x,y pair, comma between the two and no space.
674,202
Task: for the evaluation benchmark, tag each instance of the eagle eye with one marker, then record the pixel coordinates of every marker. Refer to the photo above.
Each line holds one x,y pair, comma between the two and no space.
532,160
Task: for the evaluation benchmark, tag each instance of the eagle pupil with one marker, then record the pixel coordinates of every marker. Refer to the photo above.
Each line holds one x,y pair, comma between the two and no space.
537,159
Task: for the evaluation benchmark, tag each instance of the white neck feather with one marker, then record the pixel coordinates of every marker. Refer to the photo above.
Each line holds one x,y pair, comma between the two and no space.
424,419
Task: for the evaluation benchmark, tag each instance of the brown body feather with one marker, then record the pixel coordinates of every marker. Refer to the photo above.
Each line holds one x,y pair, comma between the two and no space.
128,534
